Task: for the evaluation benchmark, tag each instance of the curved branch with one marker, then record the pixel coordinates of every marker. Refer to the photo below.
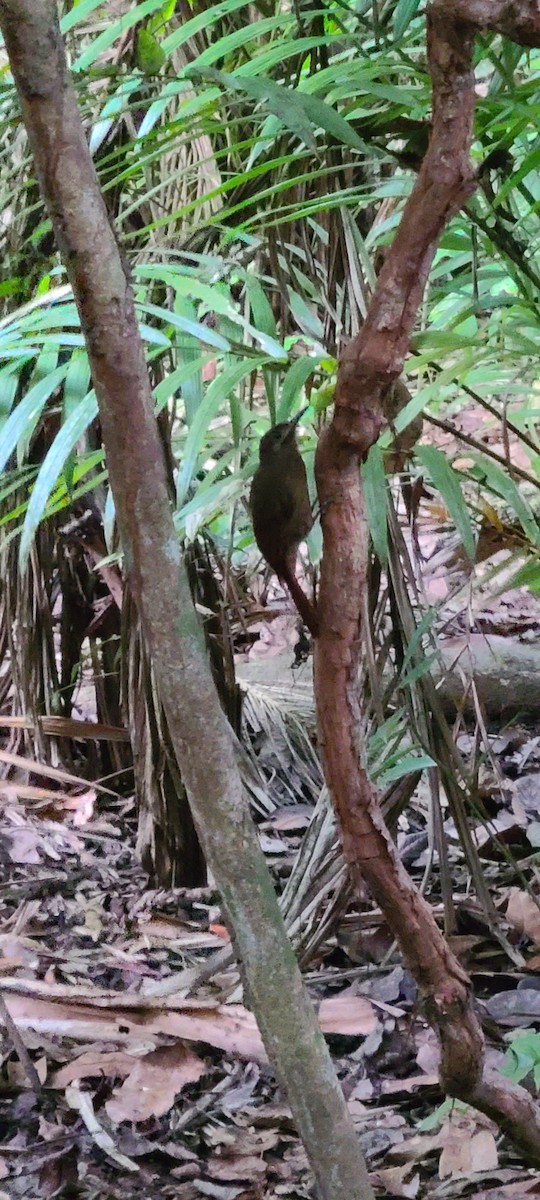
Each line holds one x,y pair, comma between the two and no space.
368,366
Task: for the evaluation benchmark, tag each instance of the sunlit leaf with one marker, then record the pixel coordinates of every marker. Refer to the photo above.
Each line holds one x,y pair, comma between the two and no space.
217,392
72,429
24,417
446,480
404,12
375,493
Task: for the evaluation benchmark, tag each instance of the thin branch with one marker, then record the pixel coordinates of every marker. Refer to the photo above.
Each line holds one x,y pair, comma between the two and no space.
490,408
469,440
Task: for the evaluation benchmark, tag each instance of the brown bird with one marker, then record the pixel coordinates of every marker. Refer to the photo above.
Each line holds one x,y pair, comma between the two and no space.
281,509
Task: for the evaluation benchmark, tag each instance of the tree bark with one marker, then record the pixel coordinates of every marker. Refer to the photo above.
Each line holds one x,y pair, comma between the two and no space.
200,734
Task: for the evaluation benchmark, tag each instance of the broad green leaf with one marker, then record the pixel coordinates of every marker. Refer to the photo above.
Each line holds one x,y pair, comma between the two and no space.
216,394
446,480
375,492
261,309
426,665
153,336
9,383
203,20
320,114
76,382
209,503
177,380
277,53
407,766
503,484
264,321
527,576
201,332
189,351
69,434
254,31
216,301
404,12
282,101
530,164
306,315
115,105
78,13
109,521
114,30
22,421
149,54
292,385
415,649
76,387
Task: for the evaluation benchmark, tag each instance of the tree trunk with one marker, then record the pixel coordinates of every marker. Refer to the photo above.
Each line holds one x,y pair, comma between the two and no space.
200,734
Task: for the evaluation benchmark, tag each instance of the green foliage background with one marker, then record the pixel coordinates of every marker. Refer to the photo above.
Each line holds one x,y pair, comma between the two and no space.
255,159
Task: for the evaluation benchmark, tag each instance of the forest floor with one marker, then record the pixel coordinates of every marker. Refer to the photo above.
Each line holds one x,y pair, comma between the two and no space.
141,1081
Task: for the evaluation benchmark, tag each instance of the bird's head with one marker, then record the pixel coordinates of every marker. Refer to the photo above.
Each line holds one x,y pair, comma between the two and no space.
279,436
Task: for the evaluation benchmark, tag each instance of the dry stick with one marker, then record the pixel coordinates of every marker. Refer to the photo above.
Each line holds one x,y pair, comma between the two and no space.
500,416
481,448
19,1046
368,367
199,731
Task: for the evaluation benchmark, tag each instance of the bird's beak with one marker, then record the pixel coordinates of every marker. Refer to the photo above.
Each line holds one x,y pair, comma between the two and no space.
299,416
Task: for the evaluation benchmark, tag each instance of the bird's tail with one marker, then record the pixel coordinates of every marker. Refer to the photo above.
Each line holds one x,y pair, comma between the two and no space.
302,603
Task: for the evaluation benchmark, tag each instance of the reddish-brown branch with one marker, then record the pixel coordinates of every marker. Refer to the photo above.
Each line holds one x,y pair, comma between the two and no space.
516,19
368,367
374,359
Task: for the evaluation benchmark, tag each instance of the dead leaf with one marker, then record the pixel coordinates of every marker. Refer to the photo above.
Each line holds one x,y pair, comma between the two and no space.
429,1055
348,1015
517,1008
390,1086
82,806
484,1156
273,845
93,924
154,1083
523,914
17,952
36,768
163,931
398,1181
220,931
466,1149
23,846
293,818
504,829
236,1166
107,1065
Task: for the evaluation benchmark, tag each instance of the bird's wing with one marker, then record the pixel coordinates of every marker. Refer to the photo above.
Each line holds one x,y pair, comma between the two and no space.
278,503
